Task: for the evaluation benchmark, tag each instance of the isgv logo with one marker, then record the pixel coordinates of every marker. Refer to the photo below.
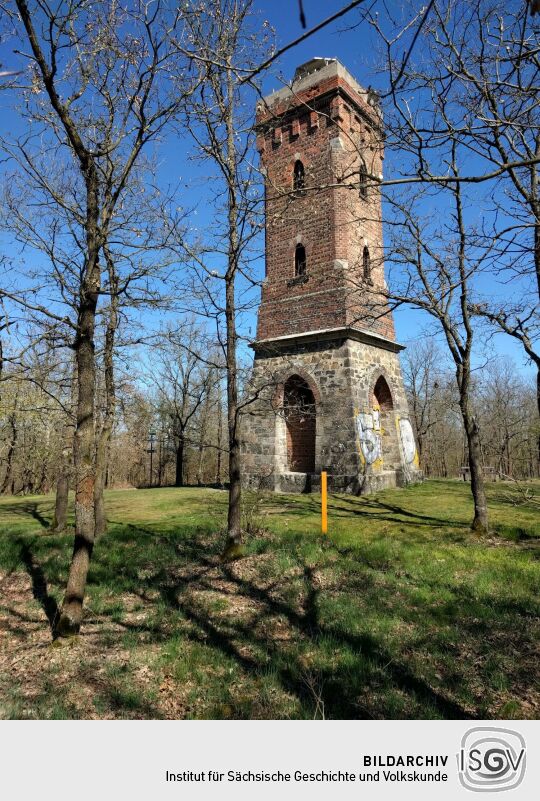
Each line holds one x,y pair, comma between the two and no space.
491,759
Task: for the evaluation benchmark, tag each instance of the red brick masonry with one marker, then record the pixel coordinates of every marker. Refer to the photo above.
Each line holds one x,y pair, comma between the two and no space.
333,129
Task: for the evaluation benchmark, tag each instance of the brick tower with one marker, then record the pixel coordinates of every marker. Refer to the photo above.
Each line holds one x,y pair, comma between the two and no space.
329,387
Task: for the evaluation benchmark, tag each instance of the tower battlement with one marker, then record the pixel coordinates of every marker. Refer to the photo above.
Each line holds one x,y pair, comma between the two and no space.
313,80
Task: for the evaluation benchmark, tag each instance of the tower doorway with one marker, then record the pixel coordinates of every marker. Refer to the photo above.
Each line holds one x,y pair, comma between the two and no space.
300,420
384,422
382,397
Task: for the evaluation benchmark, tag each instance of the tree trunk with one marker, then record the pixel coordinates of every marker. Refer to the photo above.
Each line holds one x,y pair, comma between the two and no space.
219,479
101,467
102,459
85,478
536,212
420,445
61,498
8,477
508,452
463,375
235,498
480,521
64,478
232,546
160,461
104,439
179,475
84,446
538,420
235,488
200,463
202,435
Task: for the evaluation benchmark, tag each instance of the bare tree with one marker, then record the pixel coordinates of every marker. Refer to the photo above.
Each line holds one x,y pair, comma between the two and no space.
423,376
229,46
436,266
183,384
11,419
487,62
31,413
503,400
506,404
483,59
100,94
460,114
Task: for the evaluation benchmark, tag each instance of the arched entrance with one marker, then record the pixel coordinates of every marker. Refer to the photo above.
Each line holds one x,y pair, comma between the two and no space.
300,420
382,397
384,422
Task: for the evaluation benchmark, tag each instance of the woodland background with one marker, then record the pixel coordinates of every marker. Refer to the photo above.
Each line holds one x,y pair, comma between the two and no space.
180,395
129,289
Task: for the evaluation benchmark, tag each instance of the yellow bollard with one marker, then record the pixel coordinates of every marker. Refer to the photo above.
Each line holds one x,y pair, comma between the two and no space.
324,499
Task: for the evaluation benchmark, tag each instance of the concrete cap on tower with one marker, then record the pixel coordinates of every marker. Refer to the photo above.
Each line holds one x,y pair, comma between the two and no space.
317,71
313,65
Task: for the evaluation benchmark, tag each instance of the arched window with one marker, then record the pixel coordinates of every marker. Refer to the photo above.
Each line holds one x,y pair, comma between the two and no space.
300,418
299,177
366,264
299,260
363,184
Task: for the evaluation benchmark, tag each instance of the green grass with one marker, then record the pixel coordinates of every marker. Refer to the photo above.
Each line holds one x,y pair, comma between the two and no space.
400,613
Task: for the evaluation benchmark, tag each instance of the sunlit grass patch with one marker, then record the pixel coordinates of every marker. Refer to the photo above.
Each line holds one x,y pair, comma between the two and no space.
399,612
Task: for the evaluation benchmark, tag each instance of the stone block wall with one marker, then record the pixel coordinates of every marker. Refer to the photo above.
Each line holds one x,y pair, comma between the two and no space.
342,374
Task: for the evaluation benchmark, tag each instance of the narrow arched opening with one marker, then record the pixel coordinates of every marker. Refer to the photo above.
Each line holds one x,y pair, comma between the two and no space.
366,264
363,182
299,177
300,419
300,263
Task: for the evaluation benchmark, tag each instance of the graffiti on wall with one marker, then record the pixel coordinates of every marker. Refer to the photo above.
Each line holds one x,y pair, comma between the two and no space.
407,440
369,436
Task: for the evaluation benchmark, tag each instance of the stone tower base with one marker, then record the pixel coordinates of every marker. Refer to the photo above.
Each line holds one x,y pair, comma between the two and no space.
329,400
311,482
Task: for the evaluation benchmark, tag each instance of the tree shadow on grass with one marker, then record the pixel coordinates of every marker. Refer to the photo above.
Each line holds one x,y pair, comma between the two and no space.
119,696
356,674
40,589
28,508
341,689
18,623
344,687
368,507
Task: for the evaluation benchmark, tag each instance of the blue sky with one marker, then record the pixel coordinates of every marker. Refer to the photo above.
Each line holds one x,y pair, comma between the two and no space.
347,39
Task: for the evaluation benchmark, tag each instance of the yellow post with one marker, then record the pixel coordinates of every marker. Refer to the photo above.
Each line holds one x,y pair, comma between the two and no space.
324,509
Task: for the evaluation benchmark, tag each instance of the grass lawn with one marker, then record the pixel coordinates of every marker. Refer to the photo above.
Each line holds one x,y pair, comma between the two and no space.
400,613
